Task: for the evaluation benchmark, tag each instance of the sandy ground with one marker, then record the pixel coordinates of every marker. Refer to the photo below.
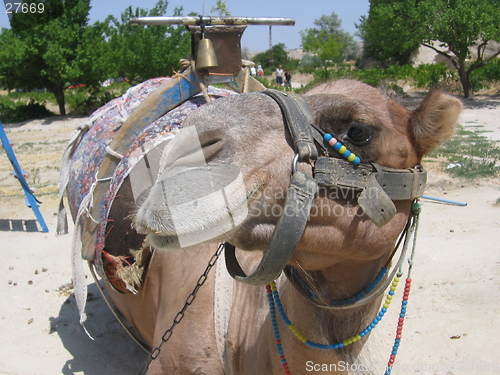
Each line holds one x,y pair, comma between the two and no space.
452,324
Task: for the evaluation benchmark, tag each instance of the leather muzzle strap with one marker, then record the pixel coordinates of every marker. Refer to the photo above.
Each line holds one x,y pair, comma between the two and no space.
300,121
286,235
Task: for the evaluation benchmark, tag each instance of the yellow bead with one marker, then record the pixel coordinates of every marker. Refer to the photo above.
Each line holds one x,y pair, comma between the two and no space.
351,157
342,150
389,297
396,279
393,288
386,305
358,337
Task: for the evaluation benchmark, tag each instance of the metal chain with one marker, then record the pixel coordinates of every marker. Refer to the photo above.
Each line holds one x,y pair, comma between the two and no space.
189,300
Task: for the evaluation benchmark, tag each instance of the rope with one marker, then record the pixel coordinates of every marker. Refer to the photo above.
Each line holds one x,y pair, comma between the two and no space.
113,153
88,200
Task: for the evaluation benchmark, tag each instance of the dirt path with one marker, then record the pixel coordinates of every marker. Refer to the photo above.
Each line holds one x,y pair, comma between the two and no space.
452,324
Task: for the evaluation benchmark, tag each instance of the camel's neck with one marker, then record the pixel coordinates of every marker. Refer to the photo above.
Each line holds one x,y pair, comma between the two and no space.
324,326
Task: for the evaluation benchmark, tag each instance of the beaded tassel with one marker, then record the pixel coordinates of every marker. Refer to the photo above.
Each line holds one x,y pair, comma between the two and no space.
276,331
338,146
399,330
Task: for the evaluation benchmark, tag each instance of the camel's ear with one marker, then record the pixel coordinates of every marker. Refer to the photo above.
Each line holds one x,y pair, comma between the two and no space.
433,122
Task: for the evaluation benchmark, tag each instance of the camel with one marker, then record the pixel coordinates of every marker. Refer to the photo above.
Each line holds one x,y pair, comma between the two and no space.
227,328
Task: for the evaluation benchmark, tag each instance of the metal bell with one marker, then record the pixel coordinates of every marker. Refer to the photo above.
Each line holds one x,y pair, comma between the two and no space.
205,57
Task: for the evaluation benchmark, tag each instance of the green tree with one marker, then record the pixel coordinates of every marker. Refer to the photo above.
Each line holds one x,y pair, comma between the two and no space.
137,53
387,41
329,41
272,57
221,8
458,26
53,54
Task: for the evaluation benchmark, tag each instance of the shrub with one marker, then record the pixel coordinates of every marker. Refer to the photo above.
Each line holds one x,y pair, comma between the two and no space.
11,111
84,101
489,73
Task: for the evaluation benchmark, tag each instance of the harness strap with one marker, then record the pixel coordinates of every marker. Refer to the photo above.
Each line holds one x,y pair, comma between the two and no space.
286,235
300,121
398,184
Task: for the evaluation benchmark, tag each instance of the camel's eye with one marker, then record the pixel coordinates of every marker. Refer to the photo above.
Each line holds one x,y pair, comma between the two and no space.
359,134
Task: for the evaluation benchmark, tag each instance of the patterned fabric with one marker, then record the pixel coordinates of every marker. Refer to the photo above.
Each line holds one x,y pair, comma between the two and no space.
102,125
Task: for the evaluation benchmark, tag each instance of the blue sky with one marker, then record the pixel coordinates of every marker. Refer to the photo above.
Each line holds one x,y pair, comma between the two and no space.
255,38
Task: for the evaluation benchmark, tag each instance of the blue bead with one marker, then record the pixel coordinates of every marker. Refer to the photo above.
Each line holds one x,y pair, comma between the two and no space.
391,292
346,154
356,161
337,146
404,302
327,137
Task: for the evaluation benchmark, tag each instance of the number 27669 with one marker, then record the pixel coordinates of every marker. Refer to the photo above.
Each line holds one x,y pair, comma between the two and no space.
24,7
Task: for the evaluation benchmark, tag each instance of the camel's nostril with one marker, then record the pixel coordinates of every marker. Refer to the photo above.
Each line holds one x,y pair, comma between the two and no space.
212,148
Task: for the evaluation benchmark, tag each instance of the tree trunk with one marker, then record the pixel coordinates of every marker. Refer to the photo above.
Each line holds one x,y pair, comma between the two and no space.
464,76
61,102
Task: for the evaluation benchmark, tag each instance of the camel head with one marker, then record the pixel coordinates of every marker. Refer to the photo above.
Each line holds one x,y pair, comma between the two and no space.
225,176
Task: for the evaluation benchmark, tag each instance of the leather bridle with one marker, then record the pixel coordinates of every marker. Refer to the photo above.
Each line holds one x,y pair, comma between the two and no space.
369,179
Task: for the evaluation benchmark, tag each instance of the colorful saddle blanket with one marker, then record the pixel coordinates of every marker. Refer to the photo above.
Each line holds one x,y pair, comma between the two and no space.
89,146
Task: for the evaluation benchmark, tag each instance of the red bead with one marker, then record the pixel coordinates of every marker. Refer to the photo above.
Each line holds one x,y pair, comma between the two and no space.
398,336
405,298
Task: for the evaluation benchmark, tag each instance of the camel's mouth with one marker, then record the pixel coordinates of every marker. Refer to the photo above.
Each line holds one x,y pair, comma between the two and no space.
196,205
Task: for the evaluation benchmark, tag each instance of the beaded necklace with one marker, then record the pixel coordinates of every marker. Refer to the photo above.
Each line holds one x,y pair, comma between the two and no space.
275,304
